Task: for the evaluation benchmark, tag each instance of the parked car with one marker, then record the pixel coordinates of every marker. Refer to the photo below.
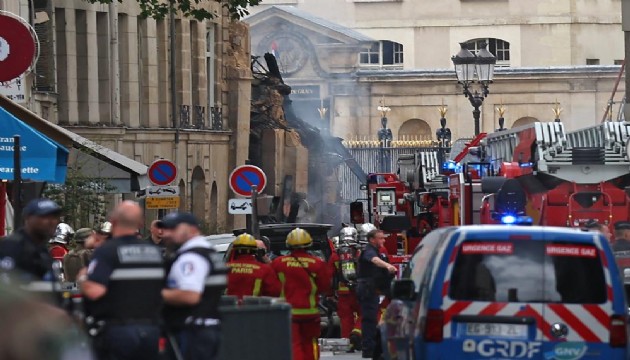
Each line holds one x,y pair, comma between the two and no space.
221,242
509,292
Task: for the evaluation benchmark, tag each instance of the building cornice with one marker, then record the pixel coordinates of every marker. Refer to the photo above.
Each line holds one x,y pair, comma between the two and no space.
588,71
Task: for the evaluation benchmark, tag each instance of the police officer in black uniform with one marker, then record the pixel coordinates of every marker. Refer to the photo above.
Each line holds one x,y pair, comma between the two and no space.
374,270
196,279
122,290
25,250
622,236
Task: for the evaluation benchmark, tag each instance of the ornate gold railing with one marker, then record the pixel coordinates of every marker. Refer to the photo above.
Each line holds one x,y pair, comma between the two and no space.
404,141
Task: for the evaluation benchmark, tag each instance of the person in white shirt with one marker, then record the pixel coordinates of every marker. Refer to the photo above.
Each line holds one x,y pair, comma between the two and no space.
195,282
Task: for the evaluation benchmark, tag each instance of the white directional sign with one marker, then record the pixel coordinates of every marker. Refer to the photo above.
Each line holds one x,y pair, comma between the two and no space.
161,191
240,206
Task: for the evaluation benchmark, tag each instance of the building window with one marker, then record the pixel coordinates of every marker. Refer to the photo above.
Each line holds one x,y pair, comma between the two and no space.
592,61
499,48
382,54
618,62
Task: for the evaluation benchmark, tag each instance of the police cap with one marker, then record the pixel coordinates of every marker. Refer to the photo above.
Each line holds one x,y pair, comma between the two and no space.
622,225
41,207
172,220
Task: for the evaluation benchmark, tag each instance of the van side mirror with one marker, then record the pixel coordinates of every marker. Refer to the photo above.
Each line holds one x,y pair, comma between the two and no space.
404,289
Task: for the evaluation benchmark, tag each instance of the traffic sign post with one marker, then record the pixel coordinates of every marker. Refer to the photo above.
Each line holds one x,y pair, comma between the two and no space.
245,177
240,206
161,191
162,172
255,227
171,202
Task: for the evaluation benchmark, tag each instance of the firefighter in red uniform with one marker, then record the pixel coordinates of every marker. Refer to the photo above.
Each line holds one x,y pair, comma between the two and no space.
348,308
248,276
303,277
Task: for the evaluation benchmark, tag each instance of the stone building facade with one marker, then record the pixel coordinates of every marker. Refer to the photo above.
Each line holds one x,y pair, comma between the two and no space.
103,73
542,68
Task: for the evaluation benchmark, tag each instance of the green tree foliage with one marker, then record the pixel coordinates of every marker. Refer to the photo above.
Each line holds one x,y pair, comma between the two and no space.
159,9
82,197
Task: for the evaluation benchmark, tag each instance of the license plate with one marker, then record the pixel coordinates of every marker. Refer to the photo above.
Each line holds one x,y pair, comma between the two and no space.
499,330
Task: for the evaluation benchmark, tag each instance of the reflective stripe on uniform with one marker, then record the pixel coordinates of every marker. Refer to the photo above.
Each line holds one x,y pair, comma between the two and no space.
282,281
304,311
257,286
216,280
137,274
313,295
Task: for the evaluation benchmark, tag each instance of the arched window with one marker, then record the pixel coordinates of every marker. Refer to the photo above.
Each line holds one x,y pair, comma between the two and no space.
382,53
198,194
524,121
416,129
498,48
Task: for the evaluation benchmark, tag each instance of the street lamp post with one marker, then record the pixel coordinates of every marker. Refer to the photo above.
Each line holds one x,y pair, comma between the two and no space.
469,66
385,136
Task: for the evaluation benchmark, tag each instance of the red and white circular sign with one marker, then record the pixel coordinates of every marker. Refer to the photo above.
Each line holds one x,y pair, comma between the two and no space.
17,46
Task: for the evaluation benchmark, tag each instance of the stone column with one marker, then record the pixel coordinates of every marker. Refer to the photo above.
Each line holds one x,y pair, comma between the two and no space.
184,96
150,85
65,22
104,90
87,67
129,86
164,100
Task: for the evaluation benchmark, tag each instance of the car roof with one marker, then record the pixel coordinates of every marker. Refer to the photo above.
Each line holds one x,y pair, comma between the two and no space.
552,233
285,228
220,238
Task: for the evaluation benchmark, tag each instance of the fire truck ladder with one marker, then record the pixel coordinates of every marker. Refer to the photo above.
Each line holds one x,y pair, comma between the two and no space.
586,156
422,169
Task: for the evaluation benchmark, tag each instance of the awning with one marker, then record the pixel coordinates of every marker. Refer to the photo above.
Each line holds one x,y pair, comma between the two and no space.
42,159
135,177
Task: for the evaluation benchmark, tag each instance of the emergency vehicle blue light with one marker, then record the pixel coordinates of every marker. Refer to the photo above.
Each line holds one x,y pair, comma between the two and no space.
449,165
508,219
526,165
516,220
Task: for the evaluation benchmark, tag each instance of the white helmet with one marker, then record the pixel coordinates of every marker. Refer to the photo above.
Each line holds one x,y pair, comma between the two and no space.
364,229
348,234
63,234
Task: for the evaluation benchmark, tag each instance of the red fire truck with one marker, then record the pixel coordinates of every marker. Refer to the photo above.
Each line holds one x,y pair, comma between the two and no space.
538,173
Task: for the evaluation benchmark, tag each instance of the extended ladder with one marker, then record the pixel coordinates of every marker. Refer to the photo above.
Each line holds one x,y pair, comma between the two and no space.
587,156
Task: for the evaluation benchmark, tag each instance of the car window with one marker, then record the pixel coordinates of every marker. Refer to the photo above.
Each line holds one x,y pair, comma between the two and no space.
420,260
528,271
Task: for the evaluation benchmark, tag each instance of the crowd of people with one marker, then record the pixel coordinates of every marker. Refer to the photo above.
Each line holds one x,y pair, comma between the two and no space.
169,285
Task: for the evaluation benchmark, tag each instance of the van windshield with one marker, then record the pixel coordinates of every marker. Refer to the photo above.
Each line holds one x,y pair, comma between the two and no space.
528,271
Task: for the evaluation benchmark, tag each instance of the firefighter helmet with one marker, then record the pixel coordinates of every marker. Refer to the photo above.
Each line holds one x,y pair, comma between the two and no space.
299,238
63,234
348,234
364,229
245,241
105,228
